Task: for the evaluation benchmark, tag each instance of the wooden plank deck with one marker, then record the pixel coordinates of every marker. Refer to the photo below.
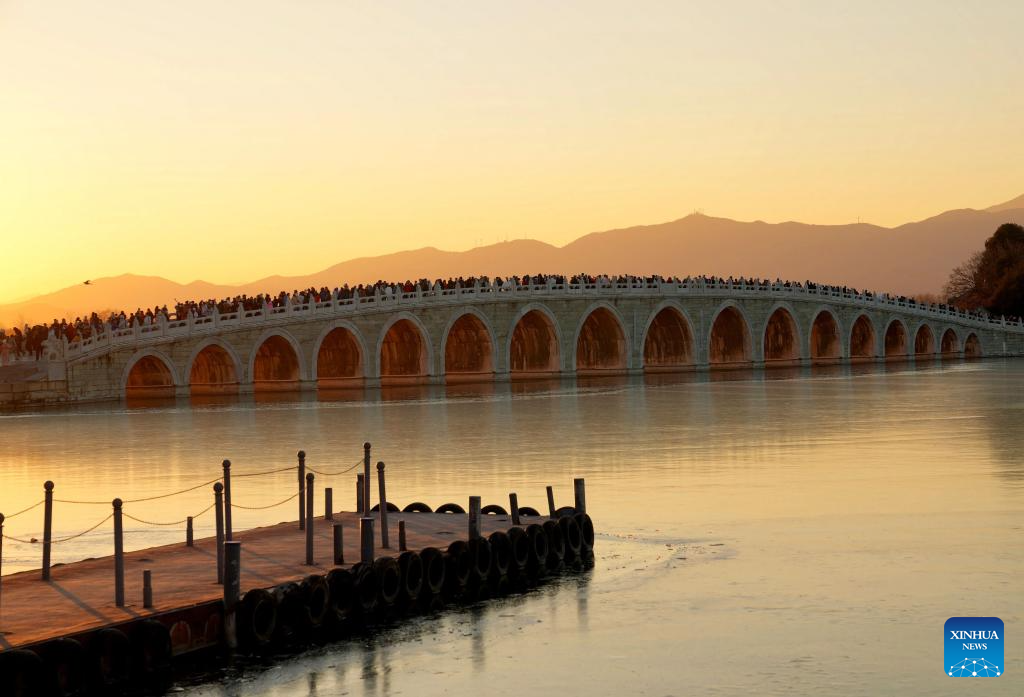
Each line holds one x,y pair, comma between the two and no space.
80,596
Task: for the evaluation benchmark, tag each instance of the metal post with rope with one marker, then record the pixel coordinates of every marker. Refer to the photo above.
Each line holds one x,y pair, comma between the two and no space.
218,504
122,511
366,479
302,489
227,499
47,527
118,554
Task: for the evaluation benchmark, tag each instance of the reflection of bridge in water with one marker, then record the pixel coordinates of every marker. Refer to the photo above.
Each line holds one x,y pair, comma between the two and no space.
521,332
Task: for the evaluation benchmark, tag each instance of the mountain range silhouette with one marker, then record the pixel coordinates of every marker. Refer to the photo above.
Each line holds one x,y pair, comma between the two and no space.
909,259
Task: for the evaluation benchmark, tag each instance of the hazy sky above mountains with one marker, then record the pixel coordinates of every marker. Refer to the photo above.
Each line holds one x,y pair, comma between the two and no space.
232,140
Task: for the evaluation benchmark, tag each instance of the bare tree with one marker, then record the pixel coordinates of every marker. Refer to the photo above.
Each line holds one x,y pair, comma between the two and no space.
992,279
962,287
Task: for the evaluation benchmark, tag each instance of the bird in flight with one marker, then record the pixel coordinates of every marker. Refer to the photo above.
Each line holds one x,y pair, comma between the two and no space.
87,283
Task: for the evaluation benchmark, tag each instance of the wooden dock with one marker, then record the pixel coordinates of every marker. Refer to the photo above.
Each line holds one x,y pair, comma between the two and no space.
80,596
121,623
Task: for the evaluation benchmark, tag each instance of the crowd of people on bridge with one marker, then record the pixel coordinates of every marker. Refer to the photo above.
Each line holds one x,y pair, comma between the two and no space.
28,342
22,344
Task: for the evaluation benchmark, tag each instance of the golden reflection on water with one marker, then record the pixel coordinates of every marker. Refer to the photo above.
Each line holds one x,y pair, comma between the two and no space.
791,441
817,503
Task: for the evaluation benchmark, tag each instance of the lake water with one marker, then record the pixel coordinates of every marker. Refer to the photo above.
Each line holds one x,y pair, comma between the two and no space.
788,533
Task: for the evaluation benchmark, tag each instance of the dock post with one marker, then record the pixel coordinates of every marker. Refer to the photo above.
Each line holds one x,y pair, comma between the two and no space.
359,495
513,505
227,499
1,558
580,490
232,591
366,540
402,547
328,503
189,535
366,479
383,507
551,502
339,548
474,517
218,510
147,589
309,519
118,554
302,489
47,528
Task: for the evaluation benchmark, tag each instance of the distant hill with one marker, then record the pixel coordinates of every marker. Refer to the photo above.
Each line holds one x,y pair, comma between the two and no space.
909,259
1012,205
125,292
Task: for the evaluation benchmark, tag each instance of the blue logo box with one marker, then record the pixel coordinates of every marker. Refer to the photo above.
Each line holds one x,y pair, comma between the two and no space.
974,647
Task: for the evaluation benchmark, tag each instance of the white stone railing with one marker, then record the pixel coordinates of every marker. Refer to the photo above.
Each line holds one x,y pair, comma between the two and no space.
382,300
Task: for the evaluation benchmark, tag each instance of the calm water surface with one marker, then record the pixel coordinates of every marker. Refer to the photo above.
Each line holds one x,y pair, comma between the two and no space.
803,533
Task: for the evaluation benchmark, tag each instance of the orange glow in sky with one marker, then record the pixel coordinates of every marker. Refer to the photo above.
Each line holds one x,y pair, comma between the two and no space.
230,141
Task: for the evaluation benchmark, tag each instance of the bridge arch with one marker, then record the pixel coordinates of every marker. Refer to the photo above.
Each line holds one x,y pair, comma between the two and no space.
972,346
600,343
534,346
276,362
897,340
729,339
470,351
950,345
149,373
924,341
863,339
826,337
214,368
339,355
668,338
781,336
404,352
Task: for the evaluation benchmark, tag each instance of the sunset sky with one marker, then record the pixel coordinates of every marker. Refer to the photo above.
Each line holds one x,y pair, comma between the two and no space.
233,140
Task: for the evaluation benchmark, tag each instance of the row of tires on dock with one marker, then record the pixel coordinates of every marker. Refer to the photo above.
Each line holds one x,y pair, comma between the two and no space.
138,657
344,600
492,509
109,661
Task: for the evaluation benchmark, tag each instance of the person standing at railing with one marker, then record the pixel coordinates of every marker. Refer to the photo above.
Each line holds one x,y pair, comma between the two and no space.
19,340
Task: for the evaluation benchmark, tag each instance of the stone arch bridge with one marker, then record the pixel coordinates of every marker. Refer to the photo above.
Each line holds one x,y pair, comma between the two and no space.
518,332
